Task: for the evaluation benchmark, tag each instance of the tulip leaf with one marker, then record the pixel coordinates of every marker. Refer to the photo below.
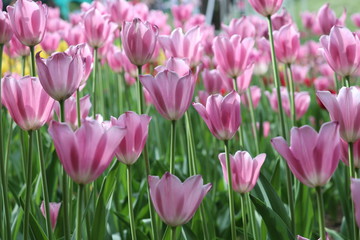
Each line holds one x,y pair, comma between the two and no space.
304,212
187,233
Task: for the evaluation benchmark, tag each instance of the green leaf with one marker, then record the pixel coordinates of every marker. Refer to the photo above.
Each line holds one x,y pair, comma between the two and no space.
304,212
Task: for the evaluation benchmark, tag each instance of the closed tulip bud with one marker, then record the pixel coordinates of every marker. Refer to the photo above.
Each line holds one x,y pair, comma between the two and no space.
131,146
341,49
344,108
356,19
87,152
54,212
174,201
245,170
6,31
28,20
221,114
240,26
27,102
233,55
312,157
60,74
287,44
266,8
326,19
139,41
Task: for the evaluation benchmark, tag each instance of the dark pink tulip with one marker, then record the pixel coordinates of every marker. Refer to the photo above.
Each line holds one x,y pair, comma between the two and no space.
255,95
287,44
54,212
70,110
266,7
120,11
214,81
87,152
341,49
221,114
50,42
139,41
27,102
312,157
137,128
240,26
356,19
344,108
28,20
356,153
327,19
182,45
97,27
355,195
233,55
174,201
245,170
60,74
6,31
171,93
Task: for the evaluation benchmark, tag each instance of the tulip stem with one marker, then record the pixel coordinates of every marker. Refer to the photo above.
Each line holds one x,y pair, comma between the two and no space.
336,83
78,107
352,175
321,213
79,208
3,172
65,203
28,188
172,146
94,81
252,116
230,191
154,231
347,81
290,194
23,65
32,55
44,184
240,131
292,96
243,212
173,233
251,216
131,211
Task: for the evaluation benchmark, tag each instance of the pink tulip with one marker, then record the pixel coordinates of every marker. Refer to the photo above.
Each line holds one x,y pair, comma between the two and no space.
202,97
70,110
50,42
170,92
214,81
341,49
115,59
287,44
141,11
312,157
182,45
266,8
120,11
344,108
355,195
303,238
221,114
281,19
308,19
87,152
356,19
60,74
54,212
244,80
85,7
260,25
255,95
245,170
97,27
139,41
6,31
160,19
240,26
356,153
174,201
27,102
299,73
28,20
327,19
133,143
233,55
181,13
177,65
19,48
75,35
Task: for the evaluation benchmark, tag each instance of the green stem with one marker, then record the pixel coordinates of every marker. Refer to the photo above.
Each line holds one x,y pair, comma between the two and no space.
172,146
101,89
251,216
243,212
65,203
240,131
131,211
120,94
253,122
23,65
282,122
173,233
87,217
230,191
336,83
79,211
94,82
352,175
347,81
321,213
28,188
44,184
33,66
292,96
3,171
154,231
78,107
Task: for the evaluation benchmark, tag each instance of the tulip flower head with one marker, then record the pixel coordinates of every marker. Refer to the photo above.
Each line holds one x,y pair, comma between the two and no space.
54,212
355,195
6,31
266,7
